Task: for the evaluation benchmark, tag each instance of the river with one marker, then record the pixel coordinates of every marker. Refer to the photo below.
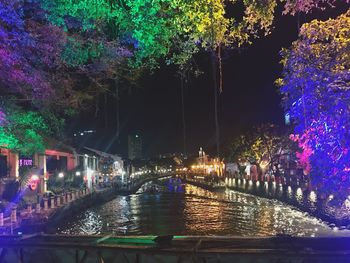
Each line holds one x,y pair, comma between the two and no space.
190,210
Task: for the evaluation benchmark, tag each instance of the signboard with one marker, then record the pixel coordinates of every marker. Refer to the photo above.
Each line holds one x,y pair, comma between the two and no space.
25,162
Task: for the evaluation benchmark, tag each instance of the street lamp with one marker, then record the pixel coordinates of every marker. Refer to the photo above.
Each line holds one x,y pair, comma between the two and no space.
77,173
61,175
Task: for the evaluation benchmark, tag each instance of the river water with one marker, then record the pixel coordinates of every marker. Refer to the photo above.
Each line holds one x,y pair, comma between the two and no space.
190,210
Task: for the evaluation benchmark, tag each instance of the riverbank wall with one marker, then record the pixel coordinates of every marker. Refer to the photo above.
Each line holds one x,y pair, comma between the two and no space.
47,220
65,212
94,199
205,185
297,196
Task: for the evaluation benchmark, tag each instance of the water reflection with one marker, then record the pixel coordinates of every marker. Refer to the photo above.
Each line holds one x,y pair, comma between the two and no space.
89,224
289,192
299,195
196,211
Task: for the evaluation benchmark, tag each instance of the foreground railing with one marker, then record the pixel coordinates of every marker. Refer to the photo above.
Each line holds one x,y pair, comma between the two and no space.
80,249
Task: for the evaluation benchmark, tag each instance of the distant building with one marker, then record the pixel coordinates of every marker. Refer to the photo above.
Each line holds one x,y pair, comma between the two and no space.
207,166
110,165
134,147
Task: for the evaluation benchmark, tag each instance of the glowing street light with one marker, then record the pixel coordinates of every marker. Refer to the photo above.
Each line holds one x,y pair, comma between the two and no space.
34,177
61,175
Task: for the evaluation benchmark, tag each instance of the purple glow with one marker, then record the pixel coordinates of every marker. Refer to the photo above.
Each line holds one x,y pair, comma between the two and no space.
25,162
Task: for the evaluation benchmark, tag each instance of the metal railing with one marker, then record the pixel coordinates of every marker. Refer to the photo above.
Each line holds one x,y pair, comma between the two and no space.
143,249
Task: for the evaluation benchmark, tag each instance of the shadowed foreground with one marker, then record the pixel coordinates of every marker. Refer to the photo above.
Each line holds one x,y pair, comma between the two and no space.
46,248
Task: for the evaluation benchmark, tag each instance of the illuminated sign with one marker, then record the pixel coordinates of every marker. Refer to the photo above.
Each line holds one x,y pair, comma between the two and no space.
25,162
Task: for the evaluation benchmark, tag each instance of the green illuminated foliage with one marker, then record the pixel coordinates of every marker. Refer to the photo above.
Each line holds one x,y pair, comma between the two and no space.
76,53
24,132
166,28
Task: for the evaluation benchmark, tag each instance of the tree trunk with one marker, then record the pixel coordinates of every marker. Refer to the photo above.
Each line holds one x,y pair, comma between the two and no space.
183,114
105,111
97,108
214,67
216,113
117,105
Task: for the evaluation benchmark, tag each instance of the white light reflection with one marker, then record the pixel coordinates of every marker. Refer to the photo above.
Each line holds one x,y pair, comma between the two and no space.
299,194
92,224
289,192
313,197
347,203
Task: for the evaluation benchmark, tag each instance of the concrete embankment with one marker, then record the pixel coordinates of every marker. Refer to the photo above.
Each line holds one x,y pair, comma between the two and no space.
303,199
93,199
65,206
204,185
326,209
65,212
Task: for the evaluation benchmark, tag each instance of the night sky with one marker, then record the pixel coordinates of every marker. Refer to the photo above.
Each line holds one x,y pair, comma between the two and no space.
153,110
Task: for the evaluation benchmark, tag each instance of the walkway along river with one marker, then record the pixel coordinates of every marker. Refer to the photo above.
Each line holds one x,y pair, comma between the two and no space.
191,210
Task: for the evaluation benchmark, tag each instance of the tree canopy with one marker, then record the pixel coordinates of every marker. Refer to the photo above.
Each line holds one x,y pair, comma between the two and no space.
57,54
316,95
23,131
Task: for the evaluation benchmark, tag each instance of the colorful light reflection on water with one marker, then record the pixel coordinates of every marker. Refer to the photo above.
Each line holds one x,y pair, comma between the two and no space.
196,211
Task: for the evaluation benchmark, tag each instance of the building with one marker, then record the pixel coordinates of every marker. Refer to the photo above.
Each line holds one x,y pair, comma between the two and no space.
134,147
204,165
58,158
110,166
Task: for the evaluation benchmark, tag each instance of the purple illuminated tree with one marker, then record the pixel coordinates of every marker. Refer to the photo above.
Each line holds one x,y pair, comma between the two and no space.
28,51
305,6
316,95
